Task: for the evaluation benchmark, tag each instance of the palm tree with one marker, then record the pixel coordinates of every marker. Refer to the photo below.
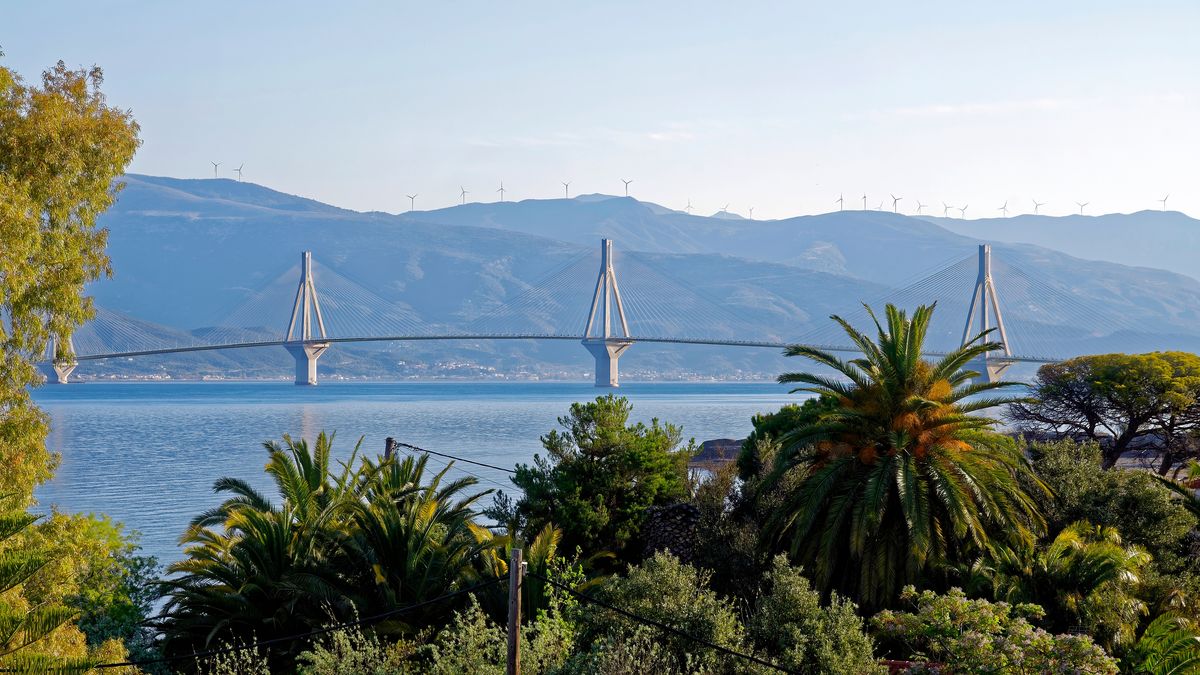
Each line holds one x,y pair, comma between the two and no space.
1085,577
900,478
1170,645
256,570
412,538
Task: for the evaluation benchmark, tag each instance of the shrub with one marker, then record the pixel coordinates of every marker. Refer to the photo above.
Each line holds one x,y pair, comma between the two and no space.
978,636
792,628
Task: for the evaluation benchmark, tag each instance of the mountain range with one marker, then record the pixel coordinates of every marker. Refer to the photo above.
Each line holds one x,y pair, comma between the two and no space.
187,253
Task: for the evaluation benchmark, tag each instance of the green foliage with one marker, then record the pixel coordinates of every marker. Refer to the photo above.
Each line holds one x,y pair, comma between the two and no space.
1141,508
61,147
599,477
371,537
977,636
355,651
1118,398
664,590
1170,645
790,626
773,426
902,478
1085,577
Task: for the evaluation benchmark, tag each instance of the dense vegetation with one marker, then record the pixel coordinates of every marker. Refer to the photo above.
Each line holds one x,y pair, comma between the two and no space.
884,519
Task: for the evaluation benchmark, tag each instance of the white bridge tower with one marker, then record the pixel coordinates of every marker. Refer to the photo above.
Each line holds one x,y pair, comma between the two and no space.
59,363
599,338
306,348
979,319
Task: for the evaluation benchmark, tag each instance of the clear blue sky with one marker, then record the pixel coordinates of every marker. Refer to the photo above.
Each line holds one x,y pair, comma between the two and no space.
780,106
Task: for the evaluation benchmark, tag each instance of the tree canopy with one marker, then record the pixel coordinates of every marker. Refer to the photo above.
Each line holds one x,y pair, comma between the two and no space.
61,148
1116,399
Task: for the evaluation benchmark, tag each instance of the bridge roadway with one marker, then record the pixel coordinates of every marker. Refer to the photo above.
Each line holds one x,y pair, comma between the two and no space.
576,338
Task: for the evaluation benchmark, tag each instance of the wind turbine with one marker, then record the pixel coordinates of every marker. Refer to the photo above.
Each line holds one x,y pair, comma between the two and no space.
920,206
880,207
725,209
864,201
463,193
1081,205
688,208
412,201
239,171
1037,205
962,211
895,201
1004,209
751,213
1164,201
626,182
566,190
501,190
215,165
839,201
946,209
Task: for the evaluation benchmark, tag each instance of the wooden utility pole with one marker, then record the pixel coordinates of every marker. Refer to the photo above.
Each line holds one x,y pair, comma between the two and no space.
516,573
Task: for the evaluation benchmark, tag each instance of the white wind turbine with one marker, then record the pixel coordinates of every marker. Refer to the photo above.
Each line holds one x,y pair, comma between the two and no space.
626,182
688,208
864,201
412,201
920,206
239,171
566,190
839,201
1037,205
751,213
463,192
895,202
1164,201
1004,209
501,190
1081,205
962,211
215,165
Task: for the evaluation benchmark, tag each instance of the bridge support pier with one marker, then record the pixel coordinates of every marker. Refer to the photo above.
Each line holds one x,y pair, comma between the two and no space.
607,353
306,355
979,321
599,337
990,370
57,372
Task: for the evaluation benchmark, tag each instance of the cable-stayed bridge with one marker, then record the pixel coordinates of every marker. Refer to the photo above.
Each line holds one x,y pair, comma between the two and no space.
608,305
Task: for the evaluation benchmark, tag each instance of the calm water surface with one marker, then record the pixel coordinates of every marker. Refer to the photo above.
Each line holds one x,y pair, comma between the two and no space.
147,453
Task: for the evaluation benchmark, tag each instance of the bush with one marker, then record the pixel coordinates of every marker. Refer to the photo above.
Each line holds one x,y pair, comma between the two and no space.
790,626
977,636
664,590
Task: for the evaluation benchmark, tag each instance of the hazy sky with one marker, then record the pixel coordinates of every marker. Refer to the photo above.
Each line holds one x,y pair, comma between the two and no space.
779,106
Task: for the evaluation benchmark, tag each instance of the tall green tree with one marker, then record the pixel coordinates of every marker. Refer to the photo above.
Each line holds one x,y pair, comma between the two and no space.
902,478
1116,399
61,148
599,477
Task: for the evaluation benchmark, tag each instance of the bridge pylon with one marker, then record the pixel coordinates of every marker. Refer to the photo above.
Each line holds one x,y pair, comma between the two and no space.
599,337
305,347
989,366
59,363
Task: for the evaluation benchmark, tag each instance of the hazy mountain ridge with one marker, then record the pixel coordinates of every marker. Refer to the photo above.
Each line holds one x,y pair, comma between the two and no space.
186,252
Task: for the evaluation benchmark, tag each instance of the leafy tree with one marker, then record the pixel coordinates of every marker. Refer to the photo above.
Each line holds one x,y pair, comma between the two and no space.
1136,503
790,625
773,426
1116,399
1085,577
61,147
600,476
901,479
978,636
667,591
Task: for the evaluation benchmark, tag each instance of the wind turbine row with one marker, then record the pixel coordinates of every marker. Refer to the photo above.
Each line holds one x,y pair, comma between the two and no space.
238,170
